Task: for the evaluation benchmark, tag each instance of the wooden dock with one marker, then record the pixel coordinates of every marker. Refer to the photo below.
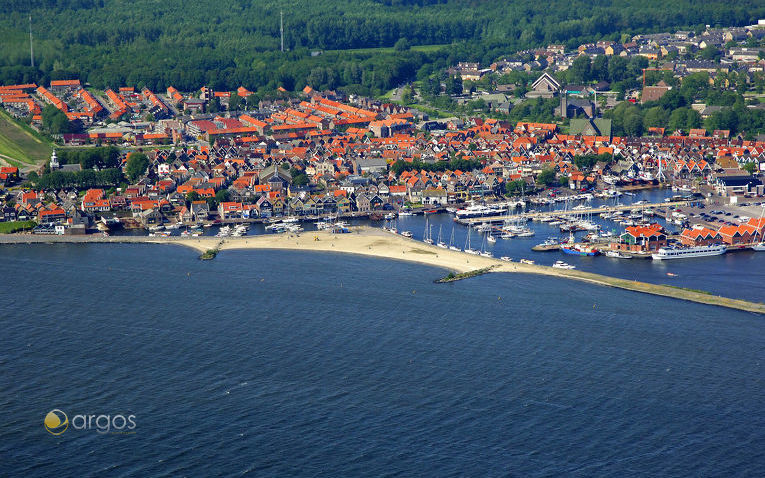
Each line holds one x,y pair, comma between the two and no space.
571,212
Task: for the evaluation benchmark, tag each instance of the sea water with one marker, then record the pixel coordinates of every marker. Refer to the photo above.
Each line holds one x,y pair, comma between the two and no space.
278,363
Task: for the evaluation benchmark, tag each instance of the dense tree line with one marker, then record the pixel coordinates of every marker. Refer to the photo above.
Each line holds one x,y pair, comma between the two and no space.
228,43
89,158
674,112
80,179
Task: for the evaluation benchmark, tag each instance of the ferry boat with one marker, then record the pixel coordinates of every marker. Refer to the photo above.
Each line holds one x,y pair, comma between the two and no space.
688,252
563,265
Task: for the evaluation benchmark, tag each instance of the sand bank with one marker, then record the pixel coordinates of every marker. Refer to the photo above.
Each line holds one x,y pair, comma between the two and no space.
378,243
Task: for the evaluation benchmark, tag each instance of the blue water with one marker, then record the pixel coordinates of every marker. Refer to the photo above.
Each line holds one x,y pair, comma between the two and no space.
298,364
738,275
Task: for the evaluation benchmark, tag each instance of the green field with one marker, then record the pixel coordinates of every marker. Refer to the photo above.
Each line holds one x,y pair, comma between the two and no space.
420,48
15,226
20,147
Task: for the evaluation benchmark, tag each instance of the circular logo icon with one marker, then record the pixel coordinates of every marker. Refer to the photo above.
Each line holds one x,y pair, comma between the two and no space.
56,422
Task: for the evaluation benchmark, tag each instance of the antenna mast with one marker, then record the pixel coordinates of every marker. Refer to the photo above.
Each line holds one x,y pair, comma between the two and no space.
281,27
31,50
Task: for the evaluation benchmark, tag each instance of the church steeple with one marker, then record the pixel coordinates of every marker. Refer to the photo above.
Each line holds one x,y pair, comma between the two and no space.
53,160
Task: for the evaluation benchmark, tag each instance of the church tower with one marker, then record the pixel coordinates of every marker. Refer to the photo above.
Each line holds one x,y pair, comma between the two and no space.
53,161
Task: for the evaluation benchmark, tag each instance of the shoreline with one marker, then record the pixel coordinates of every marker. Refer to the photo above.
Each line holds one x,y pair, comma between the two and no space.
367,241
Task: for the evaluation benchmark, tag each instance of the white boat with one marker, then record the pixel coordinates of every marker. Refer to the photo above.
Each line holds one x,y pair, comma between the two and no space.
491,239
404,212
427,239
452,247
506,259
390,215
484,252
479,211
617,255
563,265
441,242
665,253
527,261
469,249
406,233
759,247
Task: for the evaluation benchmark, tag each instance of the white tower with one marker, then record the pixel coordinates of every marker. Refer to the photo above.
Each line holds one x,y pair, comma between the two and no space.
53,161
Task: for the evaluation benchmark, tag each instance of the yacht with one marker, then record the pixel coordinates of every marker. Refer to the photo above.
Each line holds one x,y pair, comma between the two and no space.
452,247
617,255
469,249
441,242
689,252
563,265
427,239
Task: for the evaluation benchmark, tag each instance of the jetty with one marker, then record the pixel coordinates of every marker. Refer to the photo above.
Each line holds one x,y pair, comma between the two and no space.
383,244
570,212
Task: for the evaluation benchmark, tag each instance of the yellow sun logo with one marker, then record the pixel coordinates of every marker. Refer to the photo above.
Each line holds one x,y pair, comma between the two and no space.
56,422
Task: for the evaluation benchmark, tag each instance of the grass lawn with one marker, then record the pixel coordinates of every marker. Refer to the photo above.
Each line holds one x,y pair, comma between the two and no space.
13,226
422,48
19,146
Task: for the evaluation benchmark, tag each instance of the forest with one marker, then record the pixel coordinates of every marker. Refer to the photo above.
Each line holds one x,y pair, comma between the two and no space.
328,43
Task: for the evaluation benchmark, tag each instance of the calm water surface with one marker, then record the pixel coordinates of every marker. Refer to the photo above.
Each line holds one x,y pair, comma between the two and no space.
299,364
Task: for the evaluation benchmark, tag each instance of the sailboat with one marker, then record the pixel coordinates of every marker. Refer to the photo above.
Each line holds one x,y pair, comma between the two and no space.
441,243
427,239
490,237
484,252
451,242
469,249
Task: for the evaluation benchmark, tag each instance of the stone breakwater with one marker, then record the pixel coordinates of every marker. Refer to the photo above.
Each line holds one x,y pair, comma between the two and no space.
378,243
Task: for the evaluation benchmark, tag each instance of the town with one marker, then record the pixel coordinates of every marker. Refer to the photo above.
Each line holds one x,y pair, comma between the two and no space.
132,158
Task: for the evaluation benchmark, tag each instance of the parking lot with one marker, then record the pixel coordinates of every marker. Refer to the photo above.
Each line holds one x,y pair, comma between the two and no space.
714,212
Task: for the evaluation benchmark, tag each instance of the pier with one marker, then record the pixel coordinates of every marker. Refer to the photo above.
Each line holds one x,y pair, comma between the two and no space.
378,243
569,212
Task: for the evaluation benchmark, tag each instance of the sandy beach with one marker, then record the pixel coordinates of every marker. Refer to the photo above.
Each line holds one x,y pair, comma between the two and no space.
378,243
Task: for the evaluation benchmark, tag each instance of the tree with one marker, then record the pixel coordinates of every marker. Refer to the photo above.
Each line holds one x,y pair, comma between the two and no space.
599,68
633,122
749,167
515,187
407,96
222,195
137,164
234,102
580,70
546,177
55,121
192,196
402,45
454,85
